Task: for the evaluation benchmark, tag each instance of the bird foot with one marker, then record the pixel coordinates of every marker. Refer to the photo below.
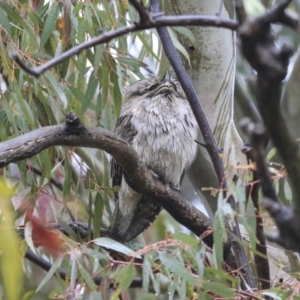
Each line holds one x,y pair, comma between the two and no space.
154,175
174,187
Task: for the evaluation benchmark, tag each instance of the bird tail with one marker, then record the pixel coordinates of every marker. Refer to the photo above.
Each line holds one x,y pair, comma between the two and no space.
144,216
125,228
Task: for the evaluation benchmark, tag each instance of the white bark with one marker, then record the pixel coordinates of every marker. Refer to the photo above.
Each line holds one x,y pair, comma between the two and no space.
212,72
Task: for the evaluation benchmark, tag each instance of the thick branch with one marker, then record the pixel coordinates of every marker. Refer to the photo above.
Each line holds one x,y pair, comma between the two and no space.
73,133
105,37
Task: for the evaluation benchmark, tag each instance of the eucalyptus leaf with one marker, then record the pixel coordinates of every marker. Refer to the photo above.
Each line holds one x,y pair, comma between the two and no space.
90,92
116,246
125,276
175,267
86,276
219,289
49,25
5,22
50,273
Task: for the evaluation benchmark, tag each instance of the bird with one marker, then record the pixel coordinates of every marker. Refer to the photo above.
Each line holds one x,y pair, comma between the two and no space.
157,121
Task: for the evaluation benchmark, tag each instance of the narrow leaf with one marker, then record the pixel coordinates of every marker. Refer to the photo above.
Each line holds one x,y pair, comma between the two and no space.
219,289
11,265
186,32
173,264
98,213
50,273
86,276
5,22
49,25
90,92
178,45
125,277
114,245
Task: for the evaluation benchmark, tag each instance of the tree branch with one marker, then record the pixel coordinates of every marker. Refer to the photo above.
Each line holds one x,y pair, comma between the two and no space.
154,21
145,18
261,262
73,133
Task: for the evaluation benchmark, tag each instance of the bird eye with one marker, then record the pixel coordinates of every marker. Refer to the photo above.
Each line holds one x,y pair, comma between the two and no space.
152,86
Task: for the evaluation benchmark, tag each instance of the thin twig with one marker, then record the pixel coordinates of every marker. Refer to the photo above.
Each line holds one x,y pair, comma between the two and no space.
107,36
261,262
144,16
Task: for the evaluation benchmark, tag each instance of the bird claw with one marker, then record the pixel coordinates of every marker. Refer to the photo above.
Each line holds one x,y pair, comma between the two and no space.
168,188
168,185
174,187
154,175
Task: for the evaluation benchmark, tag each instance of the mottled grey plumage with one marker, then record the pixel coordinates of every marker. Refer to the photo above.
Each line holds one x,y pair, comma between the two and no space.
157,121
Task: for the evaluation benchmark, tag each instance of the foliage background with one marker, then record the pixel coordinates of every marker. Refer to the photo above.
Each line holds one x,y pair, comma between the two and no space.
64,184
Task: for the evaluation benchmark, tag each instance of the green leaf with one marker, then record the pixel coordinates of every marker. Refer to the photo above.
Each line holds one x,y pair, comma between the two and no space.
172,263
73,272
117,96
185,238
219,289
271,154
146,45
218,236
29,295
96,254
10,259
254,8
99,50
178,45
186,32
45,164
125,277
18,20
98,214
5,22
218,275
26,110
287,190
49,25
23,169
43,100
56,88
50,273
200,259
8,113
132,62
86,276
90,92
67,182
28,237
146,272
79,95
114,245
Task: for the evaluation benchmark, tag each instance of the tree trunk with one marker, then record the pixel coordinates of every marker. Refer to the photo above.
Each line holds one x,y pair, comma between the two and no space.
212,72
